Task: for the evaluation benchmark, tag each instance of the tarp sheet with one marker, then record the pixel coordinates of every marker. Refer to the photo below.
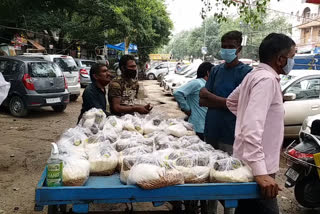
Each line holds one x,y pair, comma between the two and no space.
120,47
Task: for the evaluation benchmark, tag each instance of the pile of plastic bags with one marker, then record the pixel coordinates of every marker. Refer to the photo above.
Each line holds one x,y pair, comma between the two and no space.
146,150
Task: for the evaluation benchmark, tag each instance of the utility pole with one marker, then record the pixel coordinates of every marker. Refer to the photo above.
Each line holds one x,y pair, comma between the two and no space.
205,9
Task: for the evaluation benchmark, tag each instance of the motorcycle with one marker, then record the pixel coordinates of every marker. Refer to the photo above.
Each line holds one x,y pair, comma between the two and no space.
303,172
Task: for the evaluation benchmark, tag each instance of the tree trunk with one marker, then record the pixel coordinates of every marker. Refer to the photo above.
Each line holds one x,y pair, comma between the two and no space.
126,45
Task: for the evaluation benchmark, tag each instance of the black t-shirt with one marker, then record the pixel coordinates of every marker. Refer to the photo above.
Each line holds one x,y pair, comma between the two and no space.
93,97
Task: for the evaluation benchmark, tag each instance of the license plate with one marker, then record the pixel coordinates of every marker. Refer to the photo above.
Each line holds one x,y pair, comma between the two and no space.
70,79
292,174
53,100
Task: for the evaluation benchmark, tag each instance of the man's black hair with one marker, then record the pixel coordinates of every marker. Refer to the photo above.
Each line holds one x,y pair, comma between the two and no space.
203,69
233,35
124,59
274,45
95,69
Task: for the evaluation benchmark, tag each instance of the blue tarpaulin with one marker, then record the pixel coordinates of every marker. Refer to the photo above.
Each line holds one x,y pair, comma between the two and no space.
307,62
120,47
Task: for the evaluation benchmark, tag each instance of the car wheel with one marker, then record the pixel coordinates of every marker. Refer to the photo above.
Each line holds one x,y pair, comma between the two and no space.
17,107
59,108
151,77
307,190
73,97
83,86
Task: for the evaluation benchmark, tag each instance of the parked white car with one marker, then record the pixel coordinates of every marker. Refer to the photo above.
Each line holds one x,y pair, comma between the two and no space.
70,71
301,89
170,78
162,68
180,82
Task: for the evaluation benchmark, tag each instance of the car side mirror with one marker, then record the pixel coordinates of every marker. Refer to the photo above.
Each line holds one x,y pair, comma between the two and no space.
289,96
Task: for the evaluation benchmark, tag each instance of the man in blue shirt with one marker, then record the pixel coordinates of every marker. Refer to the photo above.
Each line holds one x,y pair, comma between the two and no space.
224,78
187,97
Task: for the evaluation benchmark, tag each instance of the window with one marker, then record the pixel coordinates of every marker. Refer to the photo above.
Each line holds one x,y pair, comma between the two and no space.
88,63
44,69
66,64
8,67
306,89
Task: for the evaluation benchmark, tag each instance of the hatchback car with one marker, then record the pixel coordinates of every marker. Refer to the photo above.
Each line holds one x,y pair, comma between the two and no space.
301,89
69,69
34,83
162,68
85,66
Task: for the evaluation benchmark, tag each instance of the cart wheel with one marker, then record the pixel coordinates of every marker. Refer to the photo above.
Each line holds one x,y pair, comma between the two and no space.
52,209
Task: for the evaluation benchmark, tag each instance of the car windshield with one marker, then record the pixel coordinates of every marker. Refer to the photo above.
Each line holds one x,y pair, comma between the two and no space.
185,69
193,74
88,63
66,64
285,78
44,69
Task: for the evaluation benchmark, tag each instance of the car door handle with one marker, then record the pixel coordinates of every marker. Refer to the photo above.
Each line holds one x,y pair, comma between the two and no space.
315,107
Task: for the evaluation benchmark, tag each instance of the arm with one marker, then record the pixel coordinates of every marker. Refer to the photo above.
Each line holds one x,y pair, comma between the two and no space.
118,108
211,100
232,101
181,93
115,94
253,122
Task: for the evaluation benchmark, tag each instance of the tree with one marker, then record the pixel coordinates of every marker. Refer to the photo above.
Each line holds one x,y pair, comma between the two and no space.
91,22
250,11
190,42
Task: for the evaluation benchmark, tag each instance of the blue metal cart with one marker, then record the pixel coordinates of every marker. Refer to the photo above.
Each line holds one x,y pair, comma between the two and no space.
109,189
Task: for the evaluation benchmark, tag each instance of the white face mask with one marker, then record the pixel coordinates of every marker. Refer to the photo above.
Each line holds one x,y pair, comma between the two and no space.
288,67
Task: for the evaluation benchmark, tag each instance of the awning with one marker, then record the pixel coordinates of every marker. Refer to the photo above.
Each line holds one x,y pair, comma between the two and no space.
36,45
120,47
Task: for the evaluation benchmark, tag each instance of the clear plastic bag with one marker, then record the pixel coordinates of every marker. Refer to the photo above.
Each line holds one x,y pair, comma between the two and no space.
230,170
75,170
152,125
149,172
102,157
93,117
133,152
128,123
123,144
126,165
73,142
115,122
195,167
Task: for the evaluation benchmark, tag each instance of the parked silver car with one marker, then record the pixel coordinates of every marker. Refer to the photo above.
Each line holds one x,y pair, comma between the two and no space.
301,89
69,68
85,66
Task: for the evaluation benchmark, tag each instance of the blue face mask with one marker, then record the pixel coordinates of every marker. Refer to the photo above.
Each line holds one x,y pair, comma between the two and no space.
289,66
228,54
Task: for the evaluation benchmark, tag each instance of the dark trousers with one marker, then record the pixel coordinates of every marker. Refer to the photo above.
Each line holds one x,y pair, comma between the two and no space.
200,135
261,206
255,206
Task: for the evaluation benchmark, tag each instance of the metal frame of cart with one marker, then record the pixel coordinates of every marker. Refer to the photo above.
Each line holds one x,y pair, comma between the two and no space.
109,189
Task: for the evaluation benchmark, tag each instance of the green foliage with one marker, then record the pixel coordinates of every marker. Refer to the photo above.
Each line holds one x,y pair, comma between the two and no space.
92,22
189,43
251,12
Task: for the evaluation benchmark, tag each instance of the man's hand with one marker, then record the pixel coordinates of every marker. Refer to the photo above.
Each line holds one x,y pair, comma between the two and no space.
204,93
187,113
148,107
269,187
143,109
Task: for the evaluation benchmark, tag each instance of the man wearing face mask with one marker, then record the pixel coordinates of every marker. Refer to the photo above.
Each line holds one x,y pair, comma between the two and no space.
224,78
123,90
258,105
